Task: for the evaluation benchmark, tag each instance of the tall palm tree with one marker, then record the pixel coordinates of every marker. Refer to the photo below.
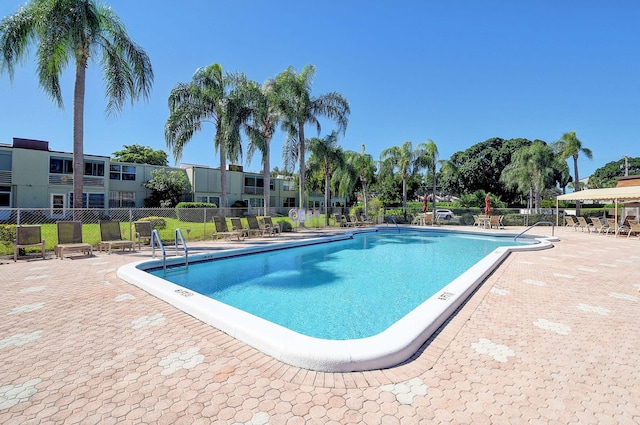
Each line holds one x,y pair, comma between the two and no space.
406,160
570,146
210,97
328,156
65,30
261,128
429,159
298,108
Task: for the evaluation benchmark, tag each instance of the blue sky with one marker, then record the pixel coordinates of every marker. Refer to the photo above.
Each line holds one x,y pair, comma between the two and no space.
457,72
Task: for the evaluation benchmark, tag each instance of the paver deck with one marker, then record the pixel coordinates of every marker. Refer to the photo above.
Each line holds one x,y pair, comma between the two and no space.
551,337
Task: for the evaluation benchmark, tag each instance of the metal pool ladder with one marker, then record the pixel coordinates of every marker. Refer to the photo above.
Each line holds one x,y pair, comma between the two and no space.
534,225
155,239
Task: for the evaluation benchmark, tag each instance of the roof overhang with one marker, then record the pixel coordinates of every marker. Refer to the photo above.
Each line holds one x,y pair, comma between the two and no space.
612,193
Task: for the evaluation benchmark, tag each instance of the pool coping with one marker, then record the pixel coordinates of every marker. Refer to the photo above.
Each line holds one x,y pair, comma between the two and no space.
394,345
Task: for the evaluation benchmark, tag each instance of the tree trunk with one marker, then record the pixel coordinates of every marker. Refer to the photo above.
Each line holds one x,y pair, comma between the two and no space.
223,175
404,197
363,181
267,180
577,182
327,192
434,190
301,162
78,132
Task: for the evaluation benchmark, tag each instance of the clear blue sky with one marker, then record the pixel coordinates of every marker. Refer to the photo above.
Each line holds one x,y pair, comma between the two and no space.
457,72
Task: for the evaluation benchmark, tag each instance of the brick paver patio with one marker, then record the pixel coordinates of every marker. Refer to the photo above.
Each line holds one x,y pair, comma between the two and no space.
552,337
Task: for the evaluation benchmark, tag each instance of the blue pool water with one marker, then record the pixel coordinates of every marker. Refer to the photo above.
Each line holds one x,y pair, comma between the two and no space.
339,290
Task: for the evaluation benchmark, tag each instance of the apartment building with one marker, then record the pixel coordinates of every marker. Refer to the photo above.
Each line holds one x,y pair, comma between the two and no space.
34,176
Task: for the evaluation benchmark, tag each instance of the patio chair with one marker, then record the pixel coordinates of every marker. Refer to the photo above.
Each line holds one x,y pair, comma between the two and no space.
494,221
111,237
634,227
254,226
476,221
350,223
363,221
26,237
337,219
598,227
236,226
222,230
571,222
582,223
143,231
70,239
615,228
270,226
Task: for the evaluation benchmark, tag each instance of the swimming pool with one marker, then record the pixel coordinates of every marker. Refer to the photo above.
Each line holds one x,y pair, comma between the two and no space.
282,301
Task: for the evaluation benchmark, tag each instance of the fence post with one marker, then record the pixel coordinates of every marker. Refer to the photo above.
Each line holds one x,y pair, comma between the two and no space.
18,218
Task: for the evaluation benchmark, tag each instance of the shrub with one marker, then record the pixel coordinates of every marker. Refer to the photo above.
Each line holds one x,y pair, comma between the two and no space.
156,222
7,233
285,226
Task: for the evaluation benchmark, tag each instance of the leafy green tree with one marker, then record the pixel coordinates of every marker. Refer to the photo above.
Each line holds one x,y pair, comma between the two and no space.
75,30
210,97
326,156
407,161
298,108
606,176
167,188
479,168
569,146
141,155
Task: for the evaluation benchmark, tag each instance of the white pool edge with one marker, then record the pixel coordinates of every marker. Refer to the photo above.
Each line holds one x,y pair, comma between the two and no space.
388,348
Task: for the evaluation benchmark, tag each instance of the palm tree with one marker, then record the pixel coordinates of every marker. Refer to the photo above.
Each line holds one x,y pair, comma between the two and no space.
406,160
327,156
429,159
531,168
363,167
570,146
215,97
260,130
298,108
65,30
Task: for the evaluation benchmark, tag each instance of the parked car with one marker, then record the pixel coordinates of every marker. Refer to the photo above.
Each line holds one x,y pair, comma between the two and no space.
442,214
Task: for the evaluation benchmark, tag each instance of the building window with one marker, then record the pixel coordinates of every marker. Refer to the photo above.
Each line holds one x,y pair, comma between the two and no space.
94,168
60,165
122,199
122,172
255,202
90,200
254,185
289,202
288,185
210,199
5,196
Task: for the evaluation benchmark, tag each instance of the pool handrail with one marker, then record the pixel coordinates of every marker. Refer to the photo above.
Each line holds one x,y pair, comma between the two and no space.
155,238
534,225
180,238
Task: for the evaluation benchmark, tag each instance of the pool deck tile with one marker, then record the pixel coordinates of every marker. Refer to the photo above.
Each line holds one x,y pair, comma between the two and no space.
550,337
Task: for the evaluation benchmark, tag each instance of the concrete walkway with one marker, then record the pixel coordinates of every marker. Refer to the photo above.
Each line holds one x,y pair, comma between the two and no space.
551,337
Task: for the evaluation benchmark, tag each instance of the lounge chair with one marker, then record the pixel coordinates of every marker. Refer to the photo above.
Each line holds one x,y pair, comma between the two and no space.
70,239
337,220
254,226
582,223
571,222
363,221
143,231
111,237
634,227
236,226
270,226
494,221
598,227
222,231
350,223
615,228
26,237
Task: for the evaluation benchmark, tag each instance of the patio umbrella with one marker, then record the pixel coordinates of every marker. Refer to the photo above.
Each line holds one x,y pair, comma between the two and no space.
487,205
424,204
